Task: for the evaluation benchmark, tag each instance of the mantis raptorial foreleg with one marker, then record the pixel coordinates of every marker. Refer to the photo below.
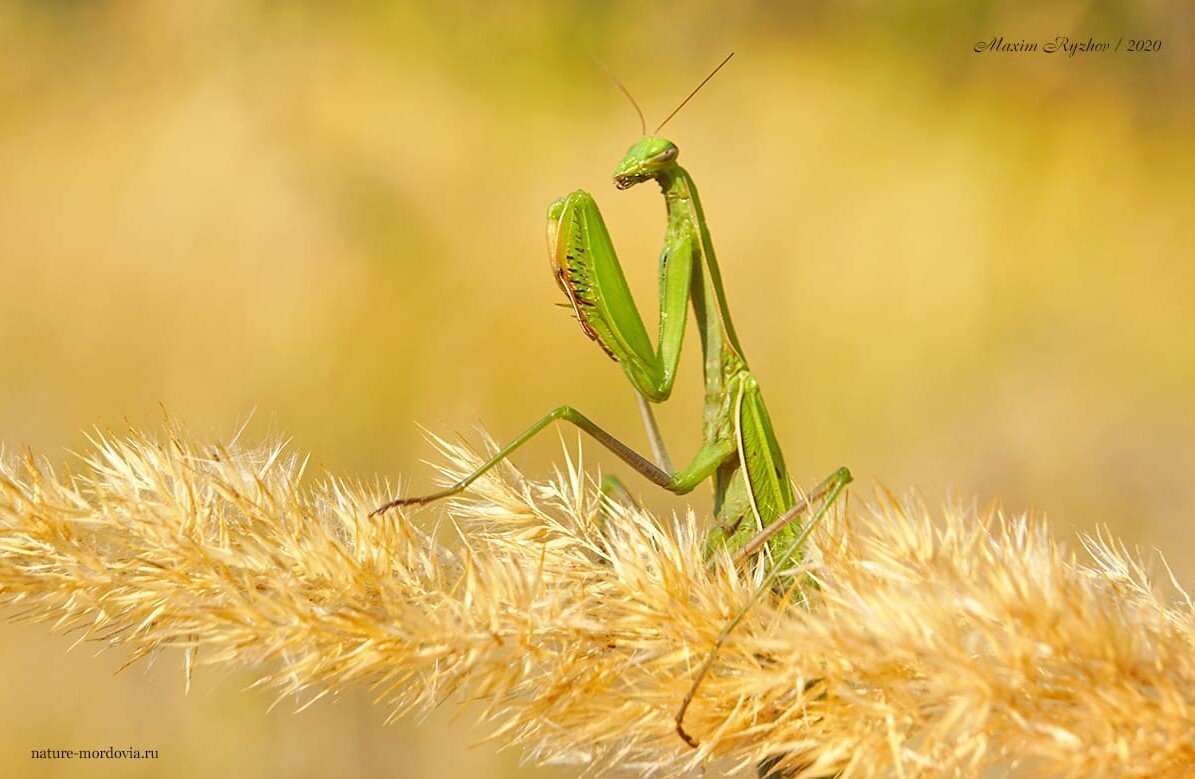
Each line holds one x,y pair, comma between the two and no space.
588,270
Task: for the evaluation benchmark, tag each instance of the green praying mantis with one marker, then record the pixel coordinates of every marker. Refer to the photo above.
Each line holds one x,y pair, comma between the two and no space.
755,503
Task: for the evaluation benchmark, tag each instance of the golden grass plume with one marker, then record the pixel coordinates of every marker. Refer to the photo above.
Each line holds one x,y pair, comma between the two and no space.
929,648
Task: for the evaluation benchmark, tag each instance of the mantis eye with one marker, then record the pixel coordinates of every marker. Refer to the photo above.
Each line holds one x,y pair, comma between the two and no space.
668,155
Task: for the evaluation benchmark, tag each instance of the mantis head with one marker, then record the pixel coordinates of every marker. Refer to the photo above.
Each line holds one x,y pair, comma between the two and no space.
649,158
652,157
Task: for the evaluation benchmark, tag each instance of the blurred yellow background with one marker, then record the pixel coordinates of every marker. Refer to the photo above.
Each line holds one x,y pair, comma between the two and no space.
966,274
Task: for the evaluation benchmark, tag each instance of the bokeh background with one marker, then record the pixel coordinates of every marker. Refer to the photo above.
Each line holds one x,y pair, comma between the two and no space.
965,274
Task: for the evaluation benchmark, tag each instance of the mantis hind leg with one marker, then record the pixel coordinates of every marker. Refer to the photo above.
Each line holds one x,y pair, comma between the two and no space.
826,491
829,489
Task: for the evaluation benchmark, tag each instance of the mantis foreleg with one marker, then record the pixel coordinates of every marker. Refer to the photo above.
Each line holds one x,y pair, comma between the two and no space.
589,272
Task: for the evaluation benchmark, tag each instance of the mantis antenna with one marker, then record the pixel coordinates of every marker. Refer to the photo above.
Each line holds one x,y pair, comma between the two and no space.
676,110
624,90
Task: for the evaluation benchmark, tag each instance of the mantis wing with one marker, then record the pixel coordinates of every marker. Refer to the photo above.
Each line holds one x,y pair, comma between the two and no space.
768,486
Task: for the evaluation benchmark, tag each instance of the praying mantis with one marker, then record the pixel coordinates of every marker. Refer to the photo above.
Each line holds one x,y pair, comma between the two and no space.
755,503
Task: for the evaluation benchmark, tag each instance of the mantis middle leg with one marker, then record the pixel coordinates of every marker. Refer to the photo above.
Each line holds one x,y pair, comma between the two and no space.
708,459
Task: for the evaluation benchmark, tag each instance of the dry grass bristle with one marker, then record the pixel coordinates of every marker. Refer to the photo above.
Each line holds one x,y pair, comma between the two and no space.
930,647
